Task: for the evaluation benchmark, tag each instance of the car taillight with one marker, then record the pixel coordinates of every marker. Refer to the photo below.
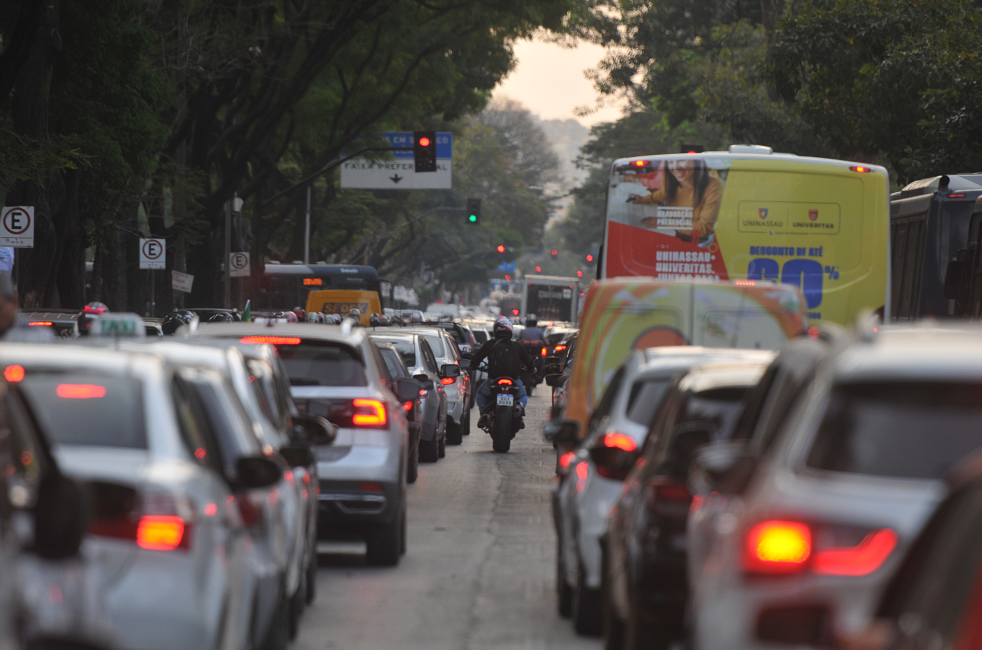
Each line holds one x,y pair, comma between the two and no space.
668,499
544,351
783,547
423,394
504,381
618,441
564,462
446,381
156,524
160,533
408,406
369,413
250,506
272,340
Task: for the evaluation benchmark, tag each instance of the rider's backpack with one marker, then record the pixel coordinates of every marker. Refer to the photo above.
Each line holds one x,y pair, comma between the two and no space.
505,359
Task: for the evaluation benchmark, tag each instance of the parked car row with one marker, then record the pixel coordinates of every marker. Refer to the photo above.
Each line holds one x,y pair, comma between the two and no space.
825,495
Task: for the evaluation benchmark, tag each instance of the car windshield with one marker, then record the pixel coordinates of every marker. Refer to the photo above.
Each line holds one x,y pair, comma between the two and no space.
406,348
88,409
899,429
315,363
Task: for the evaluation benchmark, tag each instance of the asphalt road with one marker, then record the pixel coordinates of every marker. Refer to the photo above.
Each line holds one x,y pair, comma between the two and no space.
480,567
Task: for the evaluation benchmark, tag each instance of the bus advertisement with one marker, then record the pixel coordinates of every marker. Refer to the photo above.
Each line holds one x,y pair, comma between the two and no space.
748,214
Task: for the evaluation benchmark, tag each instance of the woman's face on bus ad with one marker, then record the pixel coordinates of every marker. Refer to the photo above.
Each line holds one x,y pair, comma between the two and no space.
682,170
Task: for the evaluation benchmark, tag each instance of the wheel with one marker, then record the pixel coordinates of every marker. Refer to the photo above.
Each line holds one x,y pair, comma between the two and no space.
529,387
454,433
466,424
412,469
429,450
385,542
442,450
564,592
612,624
312,579
278,636
501,446
586,607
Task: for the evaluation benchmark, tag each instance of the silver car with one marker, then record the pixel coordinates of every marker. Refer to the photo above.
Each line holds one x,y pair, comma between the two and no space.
334,373
455,383
418,356
626,409
168,454
800,555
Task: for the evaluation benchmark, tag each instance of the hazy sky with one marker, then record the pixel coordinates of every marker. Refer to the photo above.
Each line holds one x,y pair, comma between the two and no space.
549,80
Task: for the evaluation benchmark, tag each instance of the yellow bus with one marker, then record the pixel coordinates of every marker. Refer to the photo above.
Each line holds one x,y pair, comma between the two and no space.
751,214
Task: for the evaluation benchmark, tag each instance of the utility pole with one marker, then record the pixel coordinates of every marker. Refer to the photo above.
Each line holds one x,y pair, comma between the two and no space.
228,253
306,233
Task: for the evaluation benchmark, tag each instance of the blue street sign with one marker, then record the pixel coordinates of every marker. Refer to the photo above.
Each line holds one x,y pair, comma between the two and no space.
444,144
507,266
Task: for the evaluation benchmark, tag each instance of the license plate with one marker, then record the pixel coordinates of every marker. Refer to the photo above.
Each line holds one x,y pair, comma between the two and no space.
505,399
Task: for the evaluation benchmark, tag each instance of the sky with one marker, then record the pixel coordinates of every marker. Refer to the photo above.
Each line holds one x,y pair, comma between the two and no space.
550,81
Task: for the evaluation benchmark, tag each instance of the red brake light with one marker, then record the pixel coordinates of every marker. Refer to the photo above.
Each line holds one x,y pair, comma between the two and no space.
408,406
160,533
272,340
504,381
13,374
778,547
566,459
859,560
956,196
619,441
545,351
47,323
80,391
446,381
560,348
375,416
861,169
638,163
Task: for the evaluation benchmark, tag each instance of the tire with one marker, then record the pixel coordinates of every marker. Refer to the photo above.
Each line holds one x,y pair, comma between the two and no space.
465,427
612,624
412,467
429,450
501,446
442,450
454,433
384,542
502,434
639,634
278,635
564,593
312,579
586,607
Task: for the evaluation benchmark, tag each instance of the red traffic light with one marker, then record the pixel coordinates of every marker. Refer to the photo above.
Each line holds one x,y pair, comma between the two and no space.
538,269
508,277
579,274
589,258
501,249
424,142
554,252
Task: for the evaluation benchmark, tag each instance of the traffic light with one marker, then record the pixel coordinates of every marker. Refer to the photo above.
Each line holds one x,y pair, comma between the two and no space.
554,252
501,248
474,212
589,258
538,269
579,274
424,150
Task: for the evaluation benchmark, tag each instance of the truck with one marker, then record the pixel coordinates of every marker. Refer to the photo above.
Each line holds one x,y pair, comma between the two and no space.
550,298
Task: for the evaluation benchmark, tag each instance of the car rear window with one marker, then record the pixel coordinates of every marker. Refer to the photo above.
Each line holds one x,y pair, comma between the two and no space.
84,409
899,429
391,358
436,344
480,336
645,397
315,363
406,348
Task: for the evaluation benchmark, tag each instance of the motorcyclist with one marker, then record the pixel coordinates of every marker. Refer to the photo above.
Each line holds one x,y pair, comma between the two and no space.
533,332
513,354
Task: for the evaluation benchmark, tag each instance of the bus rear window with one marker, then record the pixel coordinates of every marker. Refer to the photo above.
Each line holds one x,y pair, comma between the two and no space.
77,409
322,364
917,430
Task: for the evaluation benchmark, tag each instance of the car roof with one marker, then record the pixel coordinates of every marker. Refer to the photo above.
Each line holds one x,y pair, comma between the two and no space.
318,331
666,360
927,351
86,358
722,375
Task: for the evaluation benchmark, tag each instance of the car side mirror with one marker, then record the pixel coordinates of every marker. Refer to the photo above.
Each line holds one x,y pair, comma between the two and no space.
723,467
256,472
556,380
407,390
60,518
465,363
564,433
552,366
424,381
298,455
449,370
315,429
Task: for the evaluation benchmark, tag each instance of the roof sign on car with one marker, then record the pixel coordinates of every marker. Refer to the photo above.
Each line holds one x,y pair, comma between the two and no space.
120,325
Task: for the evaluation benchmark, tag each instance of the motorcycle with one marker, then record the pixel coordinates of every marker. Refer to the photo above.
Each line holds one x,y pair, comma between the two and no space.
505,417
537,350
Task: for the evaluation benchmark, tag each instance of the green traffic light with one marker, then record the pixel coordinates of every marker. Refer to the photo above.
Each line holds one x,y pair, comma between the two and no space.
472,218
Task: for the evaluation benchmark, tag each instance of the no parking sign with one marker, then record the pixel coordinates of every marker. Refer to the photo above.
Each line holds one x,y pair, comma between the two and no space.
17,226
238,264
153,254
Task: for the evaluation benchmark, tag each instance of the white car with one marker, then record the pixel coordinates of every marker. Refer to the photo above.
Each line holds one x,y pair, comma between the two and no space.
801,554
623,416
167,453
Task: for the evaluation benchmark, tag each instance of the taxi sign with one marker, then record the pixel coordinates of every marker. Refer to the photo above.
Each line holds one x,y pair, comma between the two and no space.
120,325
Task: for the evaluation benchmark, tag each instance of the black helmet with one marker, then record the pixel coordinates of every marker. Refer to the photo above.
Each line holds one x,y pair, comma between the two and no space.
221,317
174,320
531,320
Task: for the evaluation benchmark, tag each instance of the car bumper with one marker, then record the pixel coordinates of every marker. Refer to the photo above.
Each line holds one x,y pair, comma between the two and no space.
346,506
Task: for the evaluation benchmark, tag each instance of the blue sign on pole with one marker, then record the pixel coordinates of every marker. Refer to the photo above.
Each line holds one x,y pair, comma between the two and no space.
507,266
444,144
